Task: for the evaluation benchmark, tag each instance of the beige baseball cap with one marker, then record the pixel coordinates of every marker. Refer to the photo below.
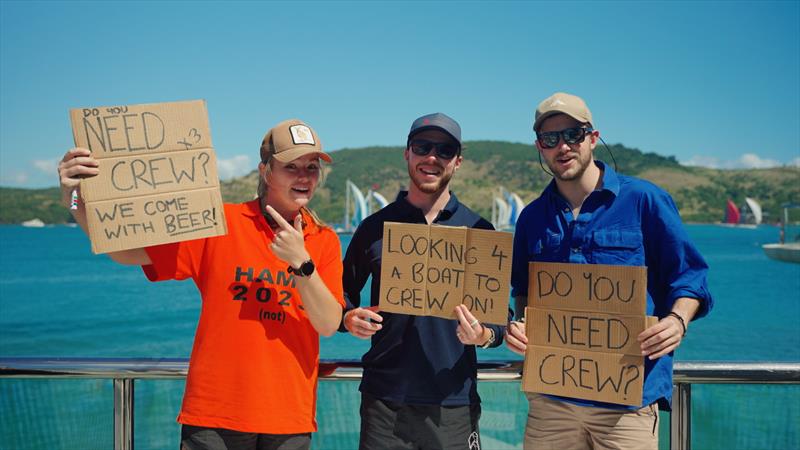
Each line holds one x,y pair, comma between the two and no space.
290,140
562,103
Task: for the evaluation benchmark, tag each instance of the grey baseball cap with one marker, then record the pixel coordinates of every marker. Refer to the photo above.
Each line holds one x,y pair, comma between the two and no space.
439,121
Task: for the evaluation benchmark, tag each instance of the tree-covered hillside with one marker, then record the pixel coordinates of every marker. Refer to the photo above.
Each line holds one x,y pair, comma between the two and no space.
700,193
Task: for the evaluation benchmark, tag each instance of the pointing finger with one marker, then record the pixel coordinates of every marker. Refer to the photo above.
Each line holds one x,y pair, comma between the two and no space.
298,223
278,219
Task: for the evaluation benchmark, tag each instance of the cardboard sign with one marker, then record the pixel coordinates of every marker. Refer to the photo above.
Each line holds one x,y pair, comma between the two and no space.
158,179
582,322
428,270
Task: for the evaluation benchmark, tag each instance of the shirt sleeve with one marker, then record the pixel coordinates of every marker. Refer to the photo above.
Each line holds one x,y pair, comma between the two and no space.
355,272
680,269
175,261
519,260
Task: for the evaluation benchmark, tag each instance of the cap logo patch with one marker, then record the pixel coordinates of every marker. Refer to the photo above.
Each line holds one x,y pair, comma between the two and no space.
426,121
301,134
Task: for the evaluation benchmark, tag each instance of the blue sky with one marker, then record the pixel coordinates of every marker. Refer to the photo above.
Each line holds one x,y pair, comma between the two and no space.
712,83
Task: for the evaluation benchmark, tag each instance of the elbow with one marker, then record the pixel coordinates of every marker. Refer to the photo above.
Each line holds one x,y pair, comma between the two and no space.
328,330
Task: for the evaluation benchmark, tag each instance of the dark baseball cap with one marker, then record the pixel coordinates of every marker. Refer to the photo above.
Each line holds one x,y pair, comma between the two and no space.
438,121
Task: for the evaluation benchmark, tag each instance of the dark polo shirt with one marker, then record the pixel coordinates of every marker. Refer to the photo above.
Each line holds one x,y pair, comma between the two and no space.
413,359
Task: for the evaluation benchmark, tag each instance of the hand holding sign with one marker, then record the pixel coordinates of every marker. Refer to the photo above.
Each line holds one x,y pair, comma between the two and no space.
516,339
661,338
357,322
77,163
469,330
288,244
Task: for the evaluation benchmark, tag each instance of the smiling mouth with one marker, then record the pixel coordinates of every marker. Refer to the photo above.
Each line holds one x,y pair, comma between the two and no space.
301,190
430,171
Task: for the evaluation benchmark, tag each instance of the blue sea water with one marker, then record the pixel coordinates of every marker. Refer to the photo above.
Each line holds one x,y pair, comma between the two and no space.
58,299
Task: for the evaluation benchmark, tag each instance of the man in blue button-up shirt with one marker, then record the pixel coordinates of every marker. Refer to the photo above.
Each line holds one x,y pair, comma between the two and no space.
589,214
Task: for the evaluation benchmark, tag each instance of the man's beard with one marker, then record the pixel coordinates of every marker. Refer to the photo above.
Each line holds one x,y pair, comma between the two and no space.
582,166
430,187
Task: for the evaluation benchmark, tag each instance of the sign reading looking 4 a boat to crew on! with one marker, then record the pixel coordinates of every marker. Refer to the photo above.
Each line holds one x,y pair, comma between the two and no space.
158,178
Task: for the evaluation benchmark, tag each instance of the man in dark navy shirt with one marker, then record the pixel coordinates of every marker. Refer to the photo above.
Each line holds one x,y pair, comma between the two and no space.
419,384
589,214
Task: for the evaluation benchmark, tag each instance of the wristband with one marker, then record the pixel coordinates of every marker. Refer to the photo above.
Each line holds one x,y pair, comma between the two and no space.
680,319
491,339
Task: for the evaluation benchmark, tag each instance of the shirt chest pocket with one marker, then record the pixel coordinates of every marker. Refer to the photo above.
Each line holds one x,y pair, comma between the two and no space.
548,248
618,247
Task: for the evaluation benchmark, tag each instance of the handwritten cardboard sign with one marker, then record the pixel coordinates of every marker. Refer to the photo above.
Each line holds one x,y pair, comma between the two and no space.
158,179
582,322
428,269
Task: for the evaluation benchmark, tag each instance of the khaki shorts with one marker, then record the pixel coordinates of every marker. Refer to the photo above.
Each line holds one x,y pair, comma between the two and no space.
557,425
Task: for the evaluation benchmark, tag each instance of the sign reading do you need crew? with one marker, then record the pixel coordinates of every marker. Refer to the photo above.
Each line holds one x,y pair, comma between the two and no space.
582,325
427,270
158,179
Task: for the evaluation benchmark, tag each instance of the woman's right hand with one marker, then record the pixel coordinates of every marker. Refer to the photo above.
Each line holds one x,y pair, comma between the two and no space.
77,163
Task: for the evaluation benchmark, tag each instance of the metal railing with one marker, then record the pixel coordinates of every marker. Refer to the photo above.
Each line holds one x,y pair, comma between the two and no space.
125,370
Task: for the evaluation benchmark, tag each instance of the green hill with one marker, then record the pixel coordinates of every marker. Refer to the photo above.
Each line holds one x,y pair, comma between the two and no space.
700,193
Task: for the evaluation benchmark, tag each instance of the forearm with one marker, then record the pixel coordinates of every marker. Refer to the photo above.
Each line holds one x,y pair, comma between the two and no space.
324,312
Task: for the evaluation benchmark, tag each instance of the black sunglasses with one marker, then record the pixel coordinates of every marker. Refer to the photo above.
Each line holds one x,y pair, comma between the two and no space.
574,135
444,150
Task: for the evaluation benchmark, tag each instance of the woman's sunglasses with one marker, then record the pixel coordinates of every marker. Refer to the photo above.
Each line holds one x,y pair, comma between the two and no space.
444,150
574,135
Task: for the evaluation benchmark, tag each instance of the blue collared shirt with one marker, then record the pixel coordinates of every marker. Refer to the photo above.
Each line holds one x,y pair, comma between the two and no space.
628,221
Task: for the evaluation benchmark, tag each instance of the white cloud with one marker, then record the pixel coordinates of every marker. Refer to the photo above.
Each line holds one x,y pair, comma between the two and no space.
702,161
795,162
48,166
753,161
15,179
234,167
746,161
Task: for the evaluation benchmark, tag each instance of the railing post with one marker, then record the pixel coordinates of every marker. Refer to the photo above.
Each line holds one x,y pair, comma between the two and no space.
123,414
680,430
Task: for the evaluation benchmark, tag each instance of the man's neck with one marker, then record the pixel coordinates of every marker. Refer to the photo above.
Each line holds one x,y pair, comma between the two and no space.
430,204
577,190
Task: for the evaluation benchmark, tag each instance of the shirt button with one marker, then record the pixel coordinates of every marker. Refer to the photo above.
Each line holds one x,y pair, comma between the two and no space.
576,250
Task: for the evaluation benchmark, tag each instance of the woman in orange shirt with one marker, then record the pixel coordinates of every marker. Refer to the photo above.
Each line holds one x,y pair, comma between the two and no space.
269,288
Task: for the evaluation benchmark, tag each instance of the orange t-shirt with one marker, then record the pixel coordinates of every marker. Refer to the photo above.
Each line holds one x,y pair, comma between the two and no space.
255,356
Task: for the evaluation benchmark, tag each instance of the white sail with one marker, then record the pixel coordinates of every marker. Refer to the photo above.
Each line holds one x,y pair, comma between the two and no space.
514,204
355,206
379,199
501,213
755,209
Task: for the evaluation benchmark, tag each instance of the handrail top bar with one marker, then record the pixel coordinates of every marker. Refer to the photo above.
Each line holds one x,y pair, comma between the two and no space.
494,370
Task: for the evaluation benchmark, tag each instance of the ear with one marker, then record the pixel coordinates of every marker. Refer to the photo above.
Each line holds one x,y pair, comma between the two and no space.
405,154
458,159
595,135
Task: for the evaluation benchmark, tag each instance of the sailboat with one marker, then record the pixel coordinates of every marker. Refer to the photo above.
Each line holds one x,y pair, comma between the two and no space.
506,209
358,206
749,216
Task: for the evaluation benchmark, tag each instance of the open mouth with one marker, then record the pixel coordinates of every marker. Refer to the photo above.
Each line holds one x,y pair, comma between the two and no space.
301,190
430,170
